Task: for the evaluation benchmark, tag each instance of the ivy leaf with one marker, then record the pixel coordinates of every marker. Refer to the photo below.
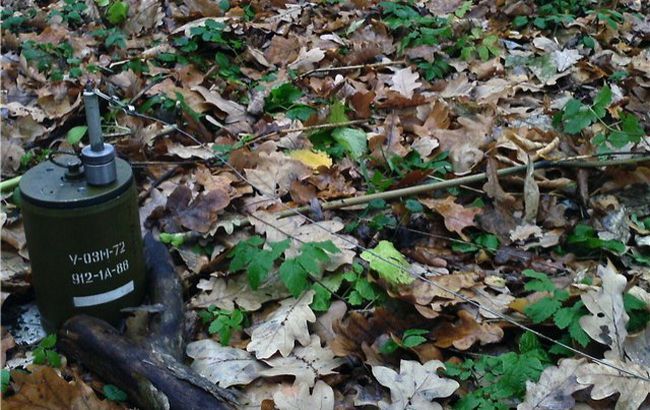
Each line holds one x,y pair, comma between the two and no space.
389,263
75,134
352,140
117,12
114,393
282,97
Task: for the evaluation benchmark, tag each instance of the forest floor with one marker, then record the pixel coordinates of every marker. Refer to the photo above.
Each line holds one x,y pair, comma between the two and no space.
257,130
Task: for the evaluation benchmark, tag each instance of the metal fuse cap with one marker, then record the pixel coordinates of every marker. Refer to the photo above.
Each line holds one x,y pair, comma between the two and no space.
99,164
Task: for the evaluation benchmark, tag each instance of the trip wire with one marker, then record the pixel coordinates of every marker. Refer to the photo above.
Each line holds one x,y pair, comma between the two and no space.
130,110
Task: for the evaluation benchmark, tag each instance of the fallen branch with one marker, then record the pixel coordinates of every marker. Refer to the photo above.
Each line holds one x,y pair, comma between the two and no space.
576,162
350,67
147,365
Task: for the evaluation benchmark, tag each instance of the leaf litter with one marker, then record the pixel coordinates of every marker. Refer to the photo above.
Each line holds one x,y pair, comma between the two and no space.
314,102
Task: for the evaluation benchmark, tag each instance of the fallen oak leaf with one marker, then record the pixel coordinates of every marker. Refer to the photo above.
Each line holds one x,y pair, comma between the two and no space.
223,365
466,332
456,216
554,389
297,397
607,321
405,81
306,363
225,293
415,386
283,327
45,389
608,381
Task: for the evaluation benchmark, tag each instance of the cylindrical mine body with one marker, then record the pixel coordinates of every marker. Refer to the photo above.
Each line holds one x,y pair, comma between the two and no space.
84,243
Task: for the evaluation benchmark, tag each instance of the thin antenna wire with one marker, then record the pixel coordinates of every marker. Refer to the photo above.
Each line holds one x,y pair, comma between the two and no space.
131,110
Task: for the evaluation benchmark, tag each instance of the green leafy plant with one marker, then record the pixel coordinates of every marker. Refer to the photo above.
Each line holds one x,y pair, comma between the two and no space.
114,393
294,272
5,378
117,12
554,13
421,30
551,306
283,98
485,241
494,381
358,290
476,43
438,68
257,262
72,11
174,239
610,17
16,21
34,157
45,353
248,256
75,134
576,116
197,47
52,59
112,37
637,310
222,322
410,338
585,240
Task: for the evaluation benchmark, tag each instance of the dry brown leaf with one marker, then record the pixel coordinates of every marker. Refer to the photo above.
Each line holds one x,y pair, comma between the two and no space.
144,15
456,216
201,214
45,389
307,363
606,323
405,82
11,153
466,332
283,327
187,152
227,293
607,381
282,50
297,397
236,112
358,330
465,144
278,229
415,386
223,365
273,176
554,389
424,292
306,59
458,87
324,326
6,342
531,195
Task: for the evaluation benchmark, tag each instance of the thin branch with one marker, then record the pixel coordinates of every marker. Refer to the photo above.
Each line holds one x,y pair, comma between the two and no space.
350,67
304,129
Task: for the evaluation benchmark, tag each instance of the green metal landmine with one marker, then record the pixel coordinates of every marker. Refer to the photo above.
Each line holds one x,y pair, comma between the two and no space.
83,232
